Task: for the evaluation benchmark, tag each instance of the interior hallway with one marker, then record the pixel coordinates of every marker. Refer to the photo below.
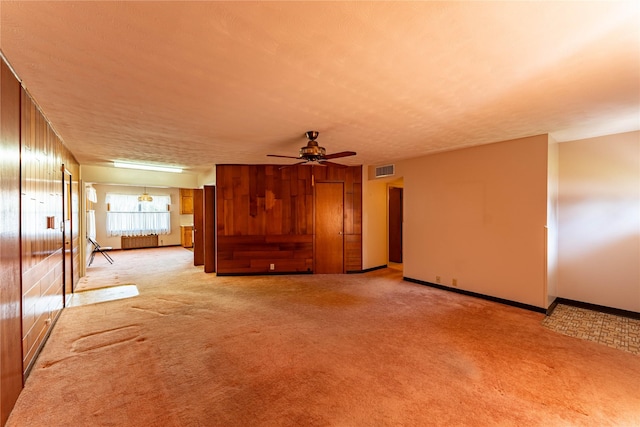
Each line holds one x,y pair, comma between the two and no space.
364,349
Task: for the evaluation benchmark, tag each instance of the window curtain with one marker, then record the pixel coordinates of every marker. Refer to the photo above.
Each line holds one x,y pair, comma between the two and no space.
126,216
91,224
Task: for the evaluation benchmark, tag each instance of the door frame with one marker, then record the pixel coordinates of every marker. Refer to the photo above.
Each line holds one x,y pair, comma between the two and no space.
198,227
67,218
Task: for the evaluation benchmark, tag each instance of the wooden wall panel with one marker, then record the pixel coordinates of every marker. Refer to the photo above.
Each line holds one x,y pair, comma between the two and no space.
10,291
265,215
43,155
209,225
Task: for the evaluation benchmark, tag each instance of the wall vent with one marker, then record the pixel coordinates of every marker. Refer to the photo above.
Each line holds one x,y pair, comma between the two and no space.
387,170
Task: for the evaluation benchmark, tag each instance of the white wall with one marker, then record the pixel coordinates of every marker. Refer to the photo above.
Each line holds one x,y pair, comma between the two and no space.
111,175
552,221
599,221
208,178
478,215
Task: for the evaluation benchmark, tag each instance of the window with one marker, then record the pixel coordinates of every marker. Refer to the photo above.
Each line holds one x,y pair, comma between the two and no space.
126,216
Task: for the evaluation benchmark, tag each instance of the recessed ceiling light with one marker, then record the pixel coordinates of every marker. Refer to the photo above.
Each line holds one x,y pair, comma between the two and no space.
147,167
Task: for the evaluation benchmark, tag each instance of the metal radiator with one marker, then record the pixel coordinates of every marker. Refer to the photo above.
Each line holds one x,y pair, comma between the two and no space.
137,242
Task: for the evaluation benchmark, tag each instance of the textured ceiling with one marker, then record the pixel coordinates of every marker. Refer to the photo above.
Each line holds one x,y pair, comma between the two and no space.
193,84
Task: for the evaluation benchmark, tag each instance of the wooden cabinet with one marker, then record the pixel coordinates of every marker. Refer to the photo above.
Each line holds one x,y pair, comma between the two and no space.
186,236
186,201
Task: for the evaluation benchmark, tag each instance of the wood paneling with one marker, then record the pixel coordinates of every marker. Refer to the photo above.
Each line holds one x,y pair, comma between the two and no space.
209,222
42,157
265,215
10,293
255,254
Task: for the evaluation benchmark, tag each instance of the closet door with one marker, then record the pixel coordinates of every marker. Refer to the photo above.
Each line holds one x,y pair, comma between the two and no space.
329,228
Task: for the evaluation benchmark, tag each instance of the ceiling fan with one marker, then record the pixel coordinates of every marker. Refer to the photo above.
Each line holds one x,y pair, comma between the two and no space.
312,152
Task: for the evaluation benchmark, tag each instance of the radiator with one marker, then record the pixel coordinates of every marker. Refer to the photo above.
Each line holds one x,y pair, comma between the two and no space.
136,242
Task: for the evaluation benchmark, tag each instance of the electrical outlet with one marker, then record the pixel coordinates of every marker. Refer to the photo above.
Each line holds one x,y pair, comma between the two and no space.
437,279
272,266
454,282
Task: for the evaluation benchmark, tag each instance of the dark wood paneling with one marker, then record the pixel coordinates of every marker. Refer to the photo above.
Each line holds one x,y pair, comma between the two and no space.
353,252
43,155
209,202
255,254
10,292
260,203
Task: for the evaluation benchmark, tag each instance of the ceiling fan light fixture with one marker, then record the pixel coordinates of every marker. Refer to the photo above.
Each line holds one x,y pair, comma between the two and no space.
312,152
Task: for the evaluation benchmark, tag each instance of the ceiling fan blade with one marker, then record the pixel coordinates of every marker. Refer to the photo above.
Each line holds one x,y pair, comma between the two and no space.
325,163
286,157
340,154
295,164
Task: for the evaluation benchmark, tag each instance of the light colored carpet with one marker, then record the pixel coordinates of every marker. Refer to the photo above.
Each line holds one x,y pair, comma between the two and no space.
315,350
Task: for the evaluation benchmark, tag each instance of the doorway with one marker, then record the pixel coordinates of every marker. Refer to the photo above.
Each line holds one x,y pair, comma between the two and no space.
329,228
67,235
198,226
395,224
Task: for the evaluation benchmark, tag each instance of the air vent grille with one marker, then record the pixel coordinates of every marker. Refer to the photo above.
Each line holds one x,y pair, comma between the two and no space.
387,170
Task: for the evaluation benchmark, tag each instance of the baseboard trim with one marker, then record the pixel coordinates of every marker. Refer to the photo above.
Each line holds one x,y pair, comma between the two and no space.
600,308
477,295
367,270
274,273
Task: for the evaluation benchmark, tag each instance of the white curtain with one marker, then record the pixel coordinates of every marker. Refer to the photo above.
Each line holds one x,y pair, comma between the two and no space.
92,195
126,216
91,224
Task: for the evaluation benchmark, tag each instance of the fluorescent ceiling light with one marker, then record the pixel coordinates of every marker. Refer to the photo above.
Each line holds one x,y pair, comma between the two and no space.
147,167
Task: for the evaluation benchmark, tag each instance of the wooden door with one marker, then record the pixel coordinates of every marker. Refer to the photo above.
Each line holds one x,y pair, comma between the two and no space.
329,228
395,224
198,227
209,202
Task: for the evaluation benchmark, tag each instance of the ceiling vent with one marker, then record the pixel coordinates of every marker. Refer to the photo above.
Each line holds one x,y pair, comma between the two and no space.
387,170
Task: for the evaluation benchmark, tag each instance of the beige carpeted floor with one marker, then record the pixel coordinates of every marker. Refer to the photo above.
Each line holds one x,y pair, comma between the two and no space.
313,350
